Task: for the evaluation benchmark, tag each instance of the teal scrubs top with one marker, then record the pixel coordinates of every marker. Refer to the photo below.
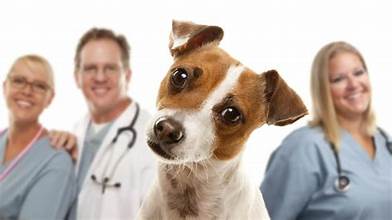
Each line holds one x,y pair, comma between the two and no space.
91,146
92,142
299,182
41,186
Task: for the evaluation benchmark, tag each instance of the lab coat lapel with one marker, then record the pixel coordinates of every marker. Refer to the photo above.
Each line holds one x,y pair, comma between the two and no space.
123,120
80,130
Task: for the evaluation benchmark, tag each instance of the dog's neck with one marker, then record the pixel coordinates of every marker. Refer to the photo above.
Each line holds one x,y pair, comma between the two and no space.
199,189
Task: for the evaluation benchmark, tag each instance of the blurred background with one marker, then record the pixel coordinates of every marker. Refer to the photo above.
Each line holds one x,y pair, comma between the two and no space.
263,35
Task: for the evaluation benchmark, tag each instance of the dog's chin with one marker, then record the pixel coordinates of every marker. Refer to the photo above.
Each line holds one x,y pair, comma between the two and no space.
158,150
168,157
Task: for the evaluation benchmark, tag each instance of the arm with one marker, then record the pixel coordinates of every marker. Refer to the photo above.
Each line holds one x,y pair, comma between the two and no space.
291,178
51,196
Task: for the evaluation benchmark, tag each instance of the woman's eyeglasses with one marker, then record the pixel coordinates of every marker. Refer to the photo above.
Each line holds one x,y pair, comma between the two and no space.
20,82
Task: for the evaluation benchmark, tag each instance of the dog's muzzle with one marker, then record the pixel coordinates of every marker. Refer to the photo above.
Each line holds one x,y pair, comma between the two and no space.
168,132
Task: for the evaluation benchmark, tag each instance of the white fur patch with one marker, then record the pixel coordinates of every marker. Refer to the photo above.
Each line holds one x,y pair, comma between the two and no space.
233,73
179,41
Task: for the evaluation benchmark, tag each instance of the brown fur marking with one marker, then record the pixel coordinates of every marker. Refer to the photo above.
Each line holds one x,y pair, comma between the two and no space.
214,64
248,97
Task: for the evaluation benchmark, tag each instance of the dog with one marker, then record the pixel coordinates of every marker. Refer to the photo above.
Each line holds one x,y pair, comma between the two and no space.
208,105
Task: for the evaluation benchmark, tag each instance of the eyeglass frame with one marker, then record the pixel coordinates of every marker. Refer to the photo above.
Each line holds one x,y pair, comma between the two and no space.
92,70
36,85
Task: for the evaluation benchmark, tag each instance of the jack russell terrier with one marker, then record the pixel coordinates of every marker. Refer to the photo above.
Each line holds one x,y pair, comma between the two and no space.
208,105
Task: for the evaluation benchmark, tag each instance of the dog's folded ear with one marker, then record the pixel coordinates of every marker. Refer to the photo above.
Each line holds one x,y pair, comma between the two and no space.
284,106
186,36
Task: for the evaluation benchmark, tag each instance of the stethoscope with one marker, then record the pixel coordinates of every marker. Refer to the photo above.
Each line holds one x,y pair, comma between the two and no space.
342,183
104,181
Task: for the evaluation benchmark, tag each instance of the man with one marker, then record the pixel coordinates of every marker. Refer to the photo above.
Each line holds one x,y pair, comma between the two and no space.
114,166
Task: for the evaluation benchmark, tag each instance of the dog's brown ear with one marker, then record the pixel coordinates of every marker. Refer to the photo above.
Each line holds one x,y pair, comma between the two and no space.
284,105
186,36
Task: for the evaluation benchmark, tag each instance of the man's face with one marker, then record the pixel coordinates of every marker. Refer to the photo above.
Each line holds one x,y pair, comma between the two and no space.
102,76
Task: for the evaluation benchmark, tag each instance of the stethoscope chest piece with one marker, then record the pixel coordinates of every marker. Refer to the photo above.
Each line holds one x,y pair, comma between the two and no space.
342,183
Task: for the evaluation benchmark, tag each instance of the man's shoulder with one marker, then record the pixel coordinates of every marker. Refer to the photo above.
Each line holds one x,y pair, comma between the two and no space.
143,111
81,122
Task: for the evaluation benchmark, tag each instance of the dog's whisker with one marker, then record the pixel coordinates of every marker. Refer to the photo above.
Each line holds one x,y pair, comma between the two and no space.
212,165
189,171
201,169
179,170
174,170
205,169
193,170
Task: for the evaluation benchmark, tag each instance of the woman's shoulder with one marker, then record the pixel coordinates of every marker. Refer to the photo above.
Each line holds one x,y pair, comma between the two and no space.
306,134
302,141
55,158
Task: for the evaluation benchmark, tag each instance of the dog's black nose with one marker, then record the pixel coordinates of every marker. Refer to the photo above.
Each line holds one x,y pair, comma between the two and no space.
168,130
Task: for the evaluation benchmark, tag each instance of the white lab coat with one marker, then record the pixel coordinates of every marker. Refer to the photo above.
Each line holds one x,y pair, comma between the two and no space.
135,172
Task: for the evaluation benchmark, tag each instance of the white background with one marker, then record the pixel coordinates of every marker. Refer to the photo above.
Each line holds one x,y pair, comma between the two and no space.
283,35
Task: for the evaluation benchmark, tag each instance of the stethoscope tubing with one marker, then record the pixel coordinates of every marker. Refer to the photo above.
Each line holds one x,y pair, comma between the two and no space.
342,183
107,178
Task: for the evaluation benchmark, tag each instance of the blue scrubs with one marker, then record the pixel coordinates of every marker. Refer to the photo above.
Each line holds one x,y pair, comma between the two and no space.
41,186
300,177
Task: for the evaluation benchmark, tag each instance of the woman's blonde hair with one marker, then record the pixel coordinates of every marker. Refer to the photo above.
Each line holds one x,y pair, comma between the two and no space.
34,62
324,113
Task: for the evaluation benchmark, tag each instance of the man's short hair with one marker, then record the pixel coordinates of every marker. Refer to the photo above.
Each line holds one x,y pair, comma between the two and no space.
103,34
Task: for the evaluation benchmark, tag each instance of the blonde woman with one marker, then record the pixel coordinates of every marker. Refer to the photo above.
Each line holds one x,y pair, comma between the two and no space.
340,165
36,181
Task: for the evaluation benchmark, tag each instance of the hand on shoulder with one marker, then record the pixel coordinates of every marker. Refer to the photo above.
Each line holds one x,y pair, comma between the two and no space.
64,140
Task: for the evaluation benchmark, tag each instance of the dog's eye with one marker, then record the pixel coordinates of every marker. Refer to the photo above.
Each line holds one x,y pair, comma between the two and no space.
179,78
231,115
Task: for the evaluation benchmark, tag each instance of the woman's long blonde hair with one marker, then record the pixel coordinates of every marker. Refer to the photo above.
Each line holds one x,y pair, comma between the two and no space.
324,113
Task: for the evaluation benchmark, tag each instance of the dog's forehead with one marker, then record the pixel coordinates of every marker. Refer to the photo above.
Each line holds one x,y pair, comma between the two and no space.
250,88
216,66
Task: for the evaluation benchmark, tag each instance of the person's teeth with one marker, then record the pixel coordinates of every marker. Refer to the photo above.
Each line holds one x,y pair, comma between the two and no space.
101,91
353,96
24,104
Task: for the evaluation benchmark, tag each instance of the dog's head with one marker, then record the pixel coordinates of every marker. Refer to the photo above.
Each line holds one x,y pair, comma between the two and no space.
209,103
